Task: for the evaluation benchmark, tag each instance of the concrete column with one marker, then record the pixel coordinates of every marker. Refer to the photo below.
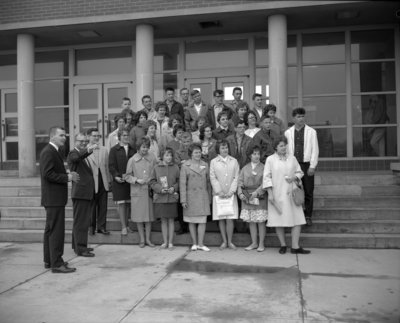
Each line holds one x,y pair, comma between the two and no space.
26,117
144,62
277,47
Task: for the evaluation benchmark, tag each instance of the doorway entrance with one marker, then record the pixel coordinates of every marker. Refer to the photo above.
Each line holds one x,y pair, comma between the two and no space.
9,125
206,86
96,105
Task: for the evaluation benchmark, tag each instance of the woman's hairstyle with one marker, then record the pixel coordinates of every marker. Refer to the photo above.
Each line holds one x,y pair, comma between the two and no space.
270,107
278,140
246,117
140,113
174,117
144,141
119,117
222,142
161,104
192,147
120,132
196,124
170,151
242,104
203,129
148,124
177,127
252,149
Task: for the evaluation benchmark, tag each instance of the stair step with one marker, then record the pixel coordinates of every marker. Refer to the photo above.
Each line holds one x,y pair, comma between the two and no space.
340,201
377,178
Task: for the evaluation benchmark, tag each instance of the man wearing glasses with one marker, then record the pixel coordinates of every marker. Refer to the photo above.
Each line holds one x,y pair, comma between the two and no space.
217,108
99,164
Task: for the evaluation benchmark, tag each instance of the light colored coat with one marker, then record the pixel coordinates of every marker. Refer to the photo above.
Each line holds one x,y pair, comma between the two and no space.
140,167
195,189
311,150
99,161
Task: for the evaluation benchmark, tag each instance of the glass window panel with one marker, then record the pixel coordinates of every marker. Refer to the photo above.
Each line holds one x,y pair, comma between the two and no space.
50,116
10,102
261,48
51,92
8,67
87,121
292,80
325,111
42,141
88,99
165,57
371,77
374,141
210,54
292,50
162,81
321,79
51,64
115,96
332,142
11,126
323,47
292,104
12,150
372,44
262,82
374,109
110,60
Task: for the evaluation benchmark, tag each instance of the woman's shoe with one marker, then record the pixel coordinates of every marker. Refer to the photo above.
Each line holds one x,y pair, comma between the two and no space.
232,246
171,246
222,246
141,244
151,245
300,251
260,249
282,250
194,248
124,231
251,247
163,246
204,248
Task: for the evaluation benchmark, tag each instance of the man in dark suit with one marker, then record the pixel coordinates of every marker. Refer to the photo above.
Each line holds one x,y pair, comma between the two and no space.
54,187
82,195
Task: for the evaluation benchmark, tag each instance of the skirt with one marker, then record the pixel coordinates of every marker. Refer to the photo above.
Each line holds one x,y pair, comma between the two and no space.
257,216
195,219
165,210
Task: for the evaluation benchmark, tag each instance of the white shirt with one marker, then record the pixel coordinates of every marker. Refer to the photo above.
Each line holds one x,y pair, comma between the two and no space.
55,146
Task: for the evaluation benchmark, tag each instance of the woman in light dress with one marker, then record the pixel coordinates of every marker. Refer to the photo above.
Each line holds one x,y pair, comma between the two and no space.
280,174
224,175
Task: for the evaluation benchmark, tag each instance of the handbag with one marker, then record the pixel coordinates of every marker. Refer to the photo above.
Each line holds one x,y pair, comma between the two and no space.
224,206
297,192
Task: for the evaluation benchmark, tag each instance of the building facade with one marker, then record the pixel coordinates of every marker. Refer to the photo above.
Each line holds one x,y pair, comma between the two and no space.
69,63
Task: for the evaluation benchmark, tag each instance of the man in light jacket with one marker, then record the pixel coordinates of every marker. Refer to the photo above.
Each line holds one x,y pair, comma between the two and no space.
303,144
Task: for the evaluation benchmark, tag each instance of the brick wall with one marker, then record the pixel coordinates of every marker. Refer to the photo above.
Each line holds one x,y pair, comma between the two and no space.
14,11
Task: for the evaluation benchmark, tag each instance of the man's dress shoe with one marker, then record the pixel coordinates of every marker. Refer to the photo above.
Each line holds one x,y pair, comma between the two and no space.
63,270
86,254
47,265
103,231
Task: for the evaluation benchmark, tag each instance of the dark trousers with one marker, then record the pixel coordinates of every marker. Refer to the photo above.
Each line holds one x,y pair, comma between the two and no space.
308,184
53,239
83,210
99,213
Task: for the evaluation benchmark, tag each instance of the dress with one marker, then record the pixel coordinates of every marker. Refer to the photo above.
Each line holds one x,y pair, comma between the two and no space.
275,170
224,175
165,204
195,190
251,180
140,167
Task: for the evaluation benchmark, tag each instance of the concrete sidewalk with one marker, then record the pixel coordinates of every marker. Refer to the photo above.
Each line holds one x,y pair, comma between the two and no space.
128,284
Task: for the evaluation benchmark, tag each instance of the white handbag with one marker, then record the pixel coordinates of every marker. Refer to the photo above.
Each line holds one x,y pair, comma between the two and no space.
224,206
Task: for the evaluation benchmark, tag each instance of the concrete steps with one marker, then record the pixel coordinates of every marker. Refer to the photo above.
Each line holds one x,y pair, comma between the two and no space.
351,210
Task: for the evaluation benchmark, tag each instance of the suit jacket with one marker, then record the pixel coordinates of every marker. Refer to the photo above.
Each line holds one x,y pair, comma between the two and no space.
242,155
176,108
102,165
191,115
53,177
77,162
211,116
257,114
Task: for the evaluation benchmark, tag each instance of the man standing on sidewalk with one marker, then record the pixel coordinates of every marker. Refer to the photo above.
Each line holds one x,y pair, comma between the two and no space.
54,187
99,163
82,195
303,144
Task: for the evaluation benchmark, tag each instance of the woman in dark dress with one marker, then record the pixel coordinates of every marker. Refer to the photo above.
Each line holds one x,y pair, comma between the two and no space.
118,159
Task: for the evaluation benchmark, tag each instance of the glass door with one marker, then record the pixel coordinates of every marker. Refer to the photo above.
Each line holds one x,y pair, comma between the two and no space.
95,106
206,86
9,125
227,84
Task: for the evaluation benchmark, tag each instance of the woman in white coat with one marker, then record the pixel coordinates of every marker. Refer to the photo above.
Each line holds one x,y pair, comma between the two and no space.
224,175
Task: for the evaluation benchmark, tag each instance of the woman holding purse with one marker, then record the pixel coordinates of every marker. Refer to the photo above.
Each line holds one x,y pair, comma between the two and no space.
224,175
254,199
281,173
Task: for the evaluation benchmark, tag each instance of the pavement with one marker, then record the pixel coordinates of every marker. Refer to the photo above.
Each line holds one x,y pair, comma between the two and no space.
127,284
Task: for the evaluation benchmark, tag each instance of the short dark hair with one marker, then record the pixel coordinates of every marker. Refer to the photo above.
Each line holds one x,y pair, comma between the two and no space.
161,104
246,117
194,92
278,140
270,107
193,146
252,149
183,89
173,117
119,117
169,150
139,114
242,104
297,111
236,89
169,89
176,128
218,92
146,97
239,121
203,129
126,99
222,113
143,141
90,130
120,132
220,143
256,95
53,130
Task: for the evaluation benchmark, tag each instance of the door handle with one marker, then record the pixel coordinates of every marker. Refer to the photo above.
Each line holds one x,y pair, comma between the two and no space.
3,130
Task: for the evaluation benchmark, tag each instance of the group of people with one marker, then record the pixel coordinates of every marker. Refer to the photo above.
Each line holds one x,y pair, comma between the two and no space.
189,161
